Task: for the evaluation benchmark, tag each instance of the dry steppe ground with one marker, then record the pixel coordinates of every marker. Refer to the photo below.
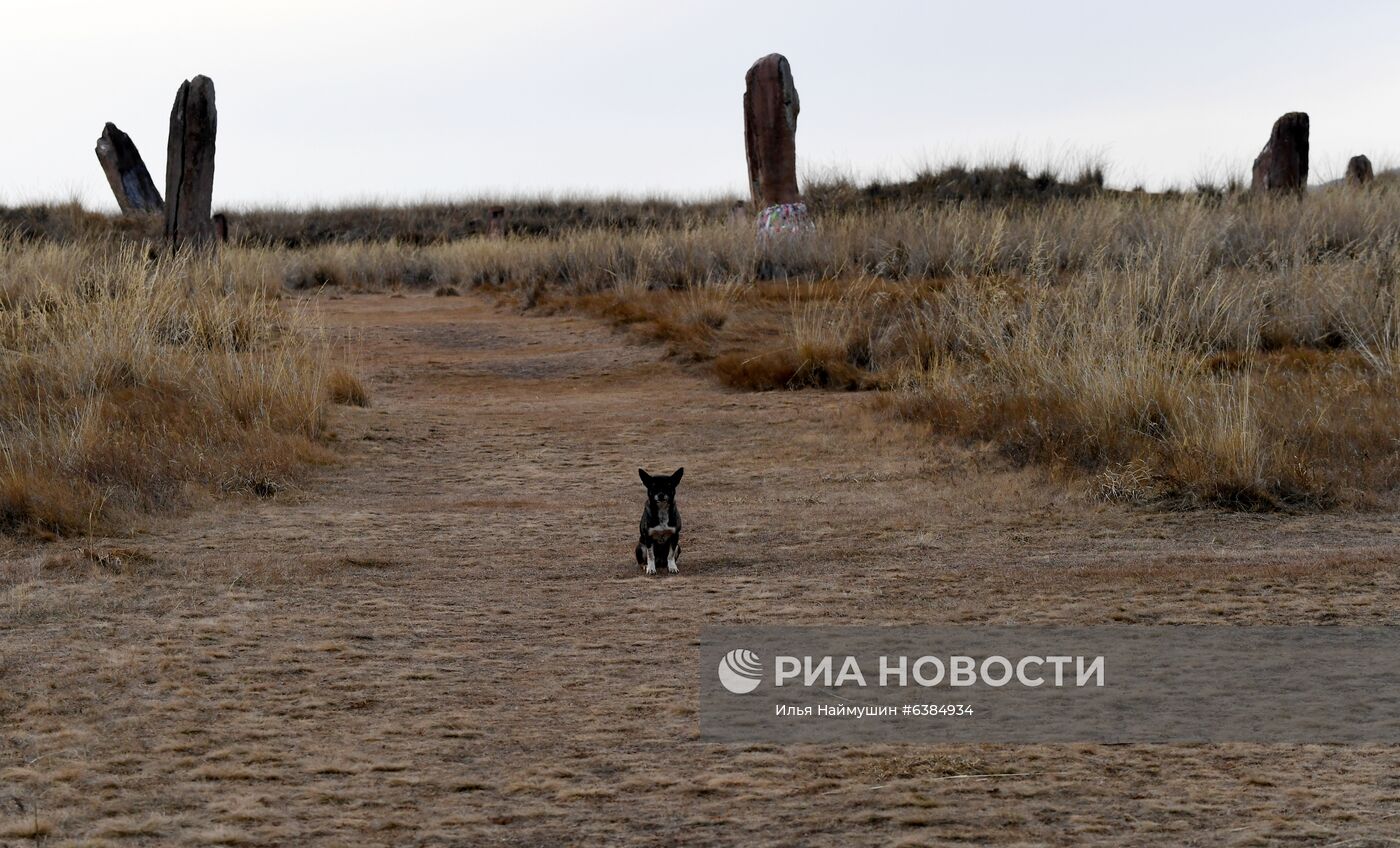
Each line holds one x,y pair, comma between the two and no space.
443,640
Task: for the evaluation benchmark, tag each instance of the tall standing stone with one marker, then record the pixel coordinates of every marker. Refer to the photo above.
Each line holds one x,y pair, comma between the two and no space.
126,172
770,132
1359,171
189,165
1283,163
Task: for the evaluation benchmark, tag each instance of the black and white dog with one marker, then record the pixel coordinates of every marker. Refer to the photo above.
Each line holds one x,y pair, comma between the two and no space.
661,523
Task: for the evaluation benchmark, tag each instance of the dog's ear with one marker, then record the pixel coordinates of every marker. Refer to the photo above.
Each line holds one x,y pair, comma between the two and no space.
676,478
646,478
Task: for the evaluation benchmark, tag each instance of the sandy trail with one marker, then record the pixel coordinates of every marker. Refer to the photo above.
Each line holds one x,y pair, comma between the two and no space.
444,640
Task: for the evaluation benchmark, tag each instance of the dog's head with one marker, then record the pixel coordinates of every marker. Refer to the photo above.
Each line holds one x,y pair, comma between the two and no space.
661,489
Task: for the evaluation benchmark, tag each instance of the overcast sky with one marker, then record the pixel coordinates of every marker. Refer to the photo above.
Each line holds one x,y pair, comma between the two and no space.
347,100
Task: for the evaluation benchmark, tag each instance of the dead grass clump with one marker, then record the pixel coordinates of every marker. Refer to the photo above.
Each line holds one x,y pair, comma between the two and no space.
765,371
345,388
41,504
125,380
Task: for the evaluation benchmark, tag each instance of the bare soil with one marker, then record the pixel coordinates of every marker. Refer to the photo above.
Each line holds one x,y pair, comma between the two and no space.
444,639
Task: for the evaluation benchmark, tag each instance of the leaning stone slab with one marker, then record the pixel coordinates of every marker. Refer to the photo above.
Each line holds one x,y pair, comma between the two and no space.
126,172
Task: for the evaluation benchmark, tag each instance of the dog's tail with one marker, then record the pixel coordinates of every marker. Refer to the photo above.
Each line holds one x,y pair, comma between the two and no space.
641,555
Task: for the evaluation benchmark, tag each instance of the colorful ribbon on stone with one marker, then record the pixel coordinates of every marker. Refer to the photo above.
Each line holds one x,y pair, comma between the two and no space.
784,218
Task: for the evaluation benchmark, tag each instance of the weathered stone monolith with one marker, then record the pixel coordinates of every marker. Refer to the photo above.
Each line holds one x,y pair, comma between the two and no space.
770,132
126,172
189,166
1283,163
1359,171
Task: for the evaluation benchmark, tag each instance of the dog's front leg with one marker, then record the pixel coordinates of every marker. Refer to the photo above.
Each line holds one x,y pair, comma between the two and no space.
673,559
651,559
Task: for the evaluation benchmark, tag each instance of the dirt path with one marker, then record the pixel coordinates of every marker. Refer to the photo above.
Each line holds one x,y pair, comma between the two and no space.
444,640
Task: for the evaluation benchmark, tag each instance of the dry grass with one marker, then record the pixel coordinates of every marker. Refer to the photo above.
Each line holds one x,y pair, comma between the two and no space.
1173,394
345,388
1239,352
1184,235
1218,347
127,380
1245,356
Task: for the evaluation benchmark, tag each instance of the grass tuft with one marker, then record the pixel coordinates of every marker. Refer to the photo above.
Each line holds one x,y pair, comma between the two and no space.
345,388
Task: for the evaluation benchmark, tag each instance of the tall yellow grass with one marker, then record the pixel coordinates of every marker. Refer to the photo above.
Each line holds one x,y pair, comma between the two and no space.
1258,390
126,380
